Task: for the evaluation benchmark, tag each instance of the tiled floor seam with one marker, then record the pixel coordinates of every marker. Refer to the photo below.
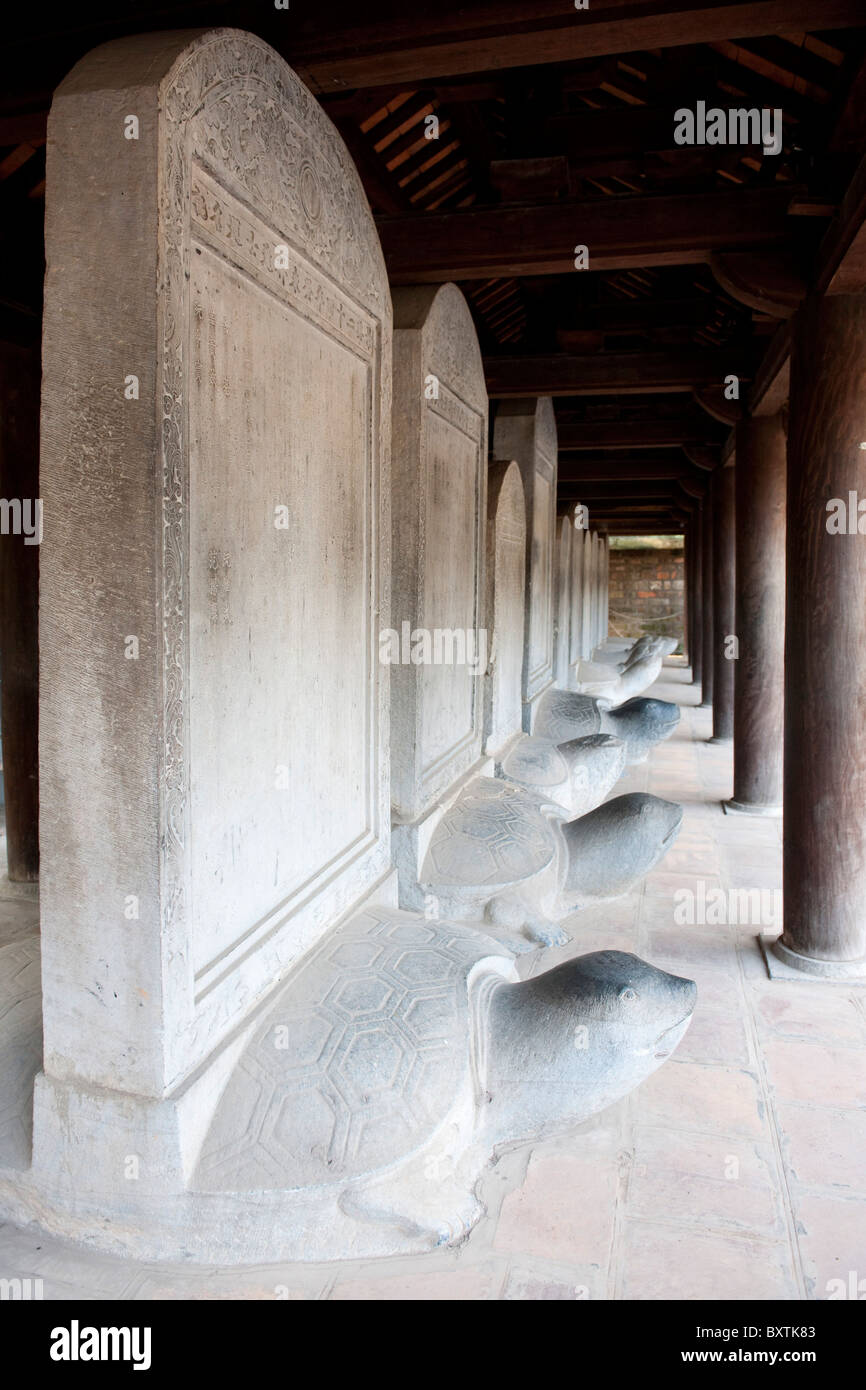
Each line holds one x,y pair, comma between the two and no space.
773,1125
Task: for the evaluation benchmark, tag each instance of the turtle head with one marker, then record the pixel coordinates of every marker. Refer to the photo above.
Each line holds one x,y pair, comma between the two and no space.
570,1042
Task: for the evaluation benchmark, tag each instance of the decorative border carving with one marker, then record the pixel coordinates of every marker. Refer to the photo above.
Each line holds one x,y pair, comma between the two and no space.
229,105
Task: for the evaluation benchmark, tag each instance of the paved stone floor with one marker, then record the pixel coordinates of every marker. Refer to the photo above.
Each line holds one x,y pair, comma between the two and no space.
737,1171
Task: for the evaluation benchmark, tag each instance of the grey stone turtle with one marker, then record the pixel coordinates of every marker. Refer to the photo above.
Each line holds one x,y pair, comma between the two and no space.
498,859
640,722
612,689
398,1058
616,845
577,774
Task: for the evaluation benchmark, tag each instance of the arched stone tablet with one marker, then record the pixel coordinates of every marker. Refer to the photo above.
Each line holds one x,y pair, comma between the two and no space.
576,624
562,626
439,511
506,583
216,399
525,430
589,579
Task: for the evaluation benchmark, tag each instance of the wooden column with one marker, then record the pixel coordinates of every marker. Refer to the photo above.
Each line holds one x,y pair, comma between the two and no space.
759,671
696,651
723,603
825,644
707,600
19,579
688,635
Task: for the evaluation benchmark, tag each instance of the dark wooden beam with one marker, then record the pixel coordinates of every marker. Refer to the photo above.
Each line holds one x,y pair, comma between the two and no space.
494,34
621,232
638,434
769,282
661,465
713,400
634,490
598,374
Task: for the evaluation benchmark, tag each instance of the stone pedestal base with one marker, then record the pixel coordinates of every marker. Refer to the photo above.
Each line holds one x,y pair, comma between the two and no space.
740,808
784,964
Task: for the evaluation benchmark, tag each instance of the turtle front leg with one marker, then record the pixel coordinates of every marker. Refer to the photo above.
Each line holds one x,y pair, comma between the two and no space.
510,915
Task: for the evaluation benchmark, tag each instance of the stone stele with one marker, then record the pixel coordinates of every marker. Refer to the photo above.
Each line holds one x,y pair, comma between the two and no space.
249,1052
525,430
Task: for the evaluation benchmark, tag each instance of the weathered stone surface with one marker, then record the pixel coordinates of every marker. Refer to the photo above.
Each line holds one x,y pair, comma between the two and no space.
241,817
587,642
435,1054
563,715
227,1076
439,511
20,1047
493,837
372,1089
613,847
507,856
640,722
576,622
525,430
577,774
619,1015
612,689
213,713
562,628
505,590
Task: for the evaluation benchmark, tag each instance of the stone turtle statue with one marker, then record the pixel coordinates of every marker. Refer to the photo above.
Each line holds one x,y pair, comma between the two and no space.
615,845
640,723
501,858
612,689
577,775
411,1054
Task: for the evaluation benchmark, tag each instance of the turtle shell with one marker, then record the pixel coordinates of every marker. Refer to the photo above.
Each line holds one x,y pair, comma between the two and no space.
493,837
564,715
357,1062
536,762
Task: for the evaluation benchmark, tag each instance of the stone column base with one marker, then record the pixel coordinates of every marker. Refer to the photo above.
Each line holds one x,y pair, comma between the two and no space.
743,808
784,964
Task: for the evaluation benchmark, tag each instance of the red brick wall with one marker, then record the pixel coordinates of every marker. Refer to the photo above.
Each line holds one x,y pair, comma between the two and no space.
646,593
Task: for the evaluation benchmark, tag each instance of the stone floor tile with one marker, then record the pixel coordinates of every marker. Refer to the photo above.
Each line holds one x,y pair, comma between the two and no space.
812,1072
802,1011
563,1211
463,1285
715,1038
706,1181
539,1281
831,1232
660,1262
823,1147
687,1096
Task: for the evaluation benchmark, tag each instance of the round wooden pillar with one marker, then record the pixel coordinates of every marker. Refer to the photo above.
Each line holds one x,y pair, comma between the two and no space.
723,604
759,671
825,644
695,600
707,601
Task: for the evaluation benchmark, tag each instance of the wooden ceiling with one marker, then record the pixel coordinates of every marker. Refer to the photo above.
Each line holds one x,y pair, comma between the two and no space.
555,130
